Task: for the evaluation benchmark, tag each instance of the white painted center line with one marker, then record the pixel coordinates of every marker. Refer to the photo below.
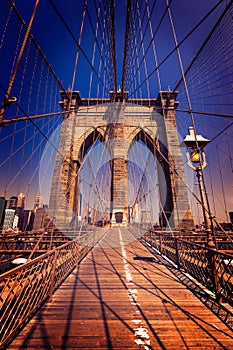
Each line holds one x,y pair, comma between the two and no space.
141,334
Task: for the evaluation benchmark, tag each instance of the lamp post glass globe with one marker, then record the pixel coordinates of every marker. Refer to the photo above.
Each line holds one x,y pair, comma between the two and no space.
197,161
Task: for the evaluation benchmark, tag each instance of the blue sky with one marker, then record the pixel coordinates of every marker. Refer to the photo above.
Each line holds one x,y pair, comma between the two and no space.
60,50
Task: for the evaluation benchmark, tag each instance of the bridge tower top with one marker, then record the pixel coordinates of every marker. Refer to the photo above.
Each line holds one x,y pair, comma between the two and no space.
118,96
166,100
71,100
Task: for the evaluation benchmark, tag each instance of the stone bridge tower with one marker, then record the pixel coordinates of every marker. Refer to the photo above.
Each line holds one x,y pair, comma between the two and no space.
117,122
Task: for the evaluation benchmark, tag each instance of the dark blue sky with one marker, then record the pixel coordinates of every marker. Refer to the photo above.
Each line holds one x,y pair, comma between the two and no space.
204,81
60,48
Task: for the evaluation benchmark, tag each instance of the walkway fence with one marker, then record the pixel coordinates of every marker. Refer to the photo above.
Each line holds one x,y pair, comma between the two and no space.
24,289
211,267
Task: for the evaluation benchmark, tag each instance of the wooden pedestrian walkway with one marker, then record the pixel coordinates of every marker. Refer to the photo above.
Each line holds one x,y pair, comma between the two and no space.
122,297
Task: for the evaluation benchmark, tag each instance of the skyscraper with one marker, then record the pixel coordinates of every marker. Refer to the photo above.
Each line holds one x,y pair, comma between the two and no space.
2,209
39,218
12,202
24,225
15,221
38,202
20,209
9,219
21,200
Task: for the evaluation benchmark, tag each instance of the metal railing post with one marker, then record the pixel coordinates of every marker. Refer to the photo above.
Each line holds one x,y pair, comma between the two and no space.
151,236
177,253
213,260
53,273
160,242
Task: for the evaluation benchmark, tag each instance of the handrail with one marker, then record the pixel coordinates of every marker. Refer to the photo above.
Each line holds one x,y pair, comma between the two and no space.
25,288
212,268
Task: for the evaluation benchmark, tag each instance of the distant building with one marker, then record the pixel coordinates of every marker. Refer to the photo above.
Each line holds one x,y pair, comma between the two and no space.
227,226
24,224
38,202
31,221
9,219
20,208
21,200
12,202
15,221
40,215
3,203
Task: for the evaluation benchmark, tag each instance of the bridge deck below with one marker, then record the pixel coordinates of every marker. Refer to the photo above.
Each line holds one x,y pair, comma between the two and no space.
122,297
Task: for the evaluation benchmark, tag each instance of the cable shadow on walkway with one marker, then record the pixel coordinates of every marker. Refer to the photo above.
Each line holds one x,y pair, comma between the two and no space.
40,317
222,312
166,300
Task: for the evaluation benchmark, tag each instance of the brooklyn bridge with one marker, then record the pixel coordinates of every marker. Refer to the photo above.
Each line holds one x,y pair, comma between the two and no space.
116,207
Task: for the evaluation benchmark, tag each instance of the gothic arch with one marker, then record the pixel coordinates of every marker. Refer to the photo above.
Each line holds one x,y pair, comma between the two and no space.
72,164
164,158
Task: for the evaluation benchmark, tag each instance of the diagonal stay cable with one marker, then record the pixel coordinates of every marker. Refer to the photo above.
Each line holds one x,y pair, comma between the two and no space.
111,29
41,132
213,114
126,45
113,42
75,40
207,39
180,43
37,45
18,60
152,39
221,132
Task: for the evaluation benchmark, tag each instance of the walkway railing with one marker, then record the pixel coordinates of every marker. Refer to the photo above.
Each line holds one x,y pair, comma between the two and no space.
24,289
212,268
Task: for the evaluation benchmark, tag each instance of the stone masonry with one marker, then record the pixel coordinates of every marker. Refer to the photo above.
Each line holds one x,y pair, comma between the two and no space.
117,122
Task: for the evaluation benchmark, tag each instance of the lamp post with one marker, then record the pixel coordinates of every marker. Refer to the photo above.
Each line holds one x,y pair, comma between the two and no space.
197,161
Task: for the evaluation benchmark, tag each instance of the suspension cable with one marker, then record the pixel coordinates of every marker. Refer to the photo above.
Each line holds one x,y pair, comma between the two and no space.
213,114
113,42
143,50
12,78
75,40
191,114
153,43
206,40
179,44
77,53
126,46
152,39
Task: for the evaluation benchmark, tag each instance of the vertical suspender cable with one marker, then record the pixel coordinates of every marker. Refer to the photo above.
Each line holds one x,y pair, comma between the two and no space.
189,103
206,40
93,54
136,75
153,44
79,45
12,78
113,40
221,178
143,50
126,47
181,64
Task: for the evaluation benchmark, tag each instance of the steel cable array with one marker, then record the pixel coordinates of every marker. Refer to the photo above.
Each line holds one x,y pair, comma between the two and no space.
145,59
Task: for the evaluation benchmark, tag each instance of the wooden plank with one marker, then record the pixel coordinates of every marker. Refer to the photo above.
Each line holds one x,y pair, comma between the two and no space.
120,298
